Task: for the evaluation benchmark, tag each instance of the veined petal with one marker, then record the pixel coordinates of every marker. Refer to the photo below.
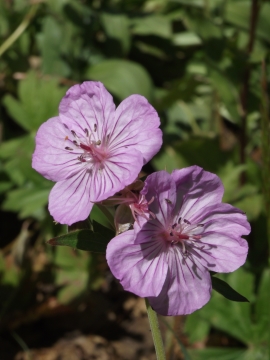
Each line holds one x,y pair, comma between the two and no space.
69,200
187,287
116,174
161,187
222,216
219,252
136,125
196,189
141,269
50,158
88,106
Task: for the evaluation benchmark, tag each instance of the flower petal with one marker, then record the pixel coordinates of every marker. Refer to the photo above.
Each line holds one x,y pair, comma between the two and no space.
196,189
220,252
88,106
69,200
187,287
223,217
136,124
116,174
161,187
141,269
50,158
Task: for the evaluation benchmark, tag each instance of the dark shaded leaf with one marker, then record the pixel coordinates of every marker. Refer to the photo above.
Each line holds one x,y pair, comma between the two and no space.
228,292
85,239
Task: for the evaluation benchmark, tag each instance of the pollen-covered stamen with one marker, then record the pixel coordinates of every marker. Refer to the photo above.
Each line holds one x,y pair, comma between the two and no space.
183,230
92,153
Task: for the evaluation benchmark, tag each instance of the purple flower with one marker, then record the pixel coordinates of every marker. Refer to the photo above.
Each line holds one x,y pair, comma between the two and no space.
169,258
92,150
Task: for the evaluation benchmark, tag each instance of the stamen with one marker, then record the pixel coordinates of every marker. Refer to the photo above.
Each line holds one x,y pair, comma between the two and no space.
86,148
81,158
168,201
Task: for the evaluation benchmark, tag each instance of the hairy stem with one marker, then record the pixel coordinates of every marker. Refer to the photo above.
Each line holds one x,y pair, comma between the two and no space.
156,335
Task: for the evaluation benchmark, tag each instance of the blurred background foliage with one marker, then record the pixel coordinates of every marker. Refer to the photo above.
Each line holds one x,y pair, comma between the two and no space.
204,65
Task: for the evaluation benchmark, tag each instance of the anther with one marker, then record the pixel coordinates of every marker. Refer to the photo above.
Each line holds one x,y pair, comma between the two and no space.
86,132
75,142
95,127
98,142
168,201
187,222
179,220
68,148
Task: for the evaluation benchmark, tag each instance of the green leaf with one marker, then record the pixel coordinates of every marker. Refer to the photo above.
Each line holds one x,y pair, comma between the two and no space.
217,353
103,231
85,239
238,13
38,101
262,306
71,273
50,42
228,292
122,78
186,38
28,202
117,27
4,186
252,205
152,25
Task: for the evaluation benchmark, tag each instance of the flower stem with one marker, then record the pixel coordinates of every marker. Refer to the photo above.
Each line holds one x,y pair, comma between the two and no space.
156,335
19,31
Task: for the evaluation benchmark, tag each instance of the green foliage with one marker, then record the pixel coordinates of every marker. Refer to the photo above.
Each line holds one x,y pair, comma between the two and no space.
237,319
38,101
87,240
122,78
190,59
228,292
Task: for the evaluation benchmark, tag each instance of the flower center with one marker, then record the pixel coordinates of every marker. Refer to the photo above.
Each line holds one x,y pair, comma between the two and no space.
183,230
93,151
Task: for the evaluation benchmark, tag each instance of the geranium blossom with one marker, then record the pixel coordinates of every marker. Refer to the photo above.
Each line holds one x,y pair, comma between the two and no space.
93,150
168,259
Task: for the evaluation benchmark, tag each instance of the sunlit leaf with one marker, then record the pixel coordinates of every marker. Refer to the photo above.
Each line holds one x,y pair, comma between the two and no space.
152,25
38,101
117,27
122,78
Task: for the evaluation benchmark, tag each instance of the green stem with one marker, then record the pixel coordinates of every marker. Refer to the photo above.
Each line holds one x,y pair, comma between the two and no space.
20,29
156,335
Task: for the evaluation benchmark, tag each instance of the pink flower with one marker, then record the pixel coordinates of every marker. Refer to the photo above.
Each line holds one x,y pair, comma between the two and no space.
93,150
169,258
